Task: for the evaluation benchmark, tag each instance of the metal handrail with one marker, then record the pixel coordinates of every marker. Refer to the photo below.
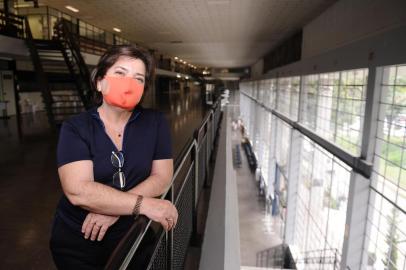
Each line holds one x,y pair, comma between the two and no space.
141,226
321,256
137,242
205,120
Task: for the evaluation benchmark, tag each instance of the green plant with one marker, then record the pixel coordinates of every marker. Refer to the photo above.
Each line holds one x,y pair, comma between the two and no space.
392,241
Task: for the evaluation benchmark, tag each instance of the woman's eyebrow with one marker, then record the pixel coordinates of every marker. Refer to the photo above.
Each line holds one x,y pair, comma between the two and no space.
122,68
126,70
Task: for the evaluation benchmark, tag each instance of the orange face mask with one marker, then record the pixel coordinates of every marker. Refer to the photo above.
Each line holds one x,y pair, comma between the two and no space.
123,92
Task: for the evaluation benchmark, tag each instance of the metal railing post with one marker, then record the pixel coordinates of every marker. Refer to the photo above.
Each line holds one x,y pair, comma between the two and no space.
196,187
169,236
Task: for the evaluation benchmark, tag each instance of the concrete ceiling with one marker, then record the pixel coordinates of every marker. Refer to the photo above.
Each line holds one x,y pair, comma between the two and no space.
213,33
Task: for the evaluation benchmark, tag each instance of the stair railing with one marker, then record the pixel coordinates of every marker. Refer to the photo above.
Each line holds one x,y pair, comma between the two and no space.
272,257
74,59
40,74
320,256
280,256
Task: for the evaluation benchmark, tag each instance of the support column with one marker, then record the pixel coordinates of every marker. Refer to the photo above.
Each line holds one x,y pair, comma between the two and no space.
293,174
354,255
356,223
272,159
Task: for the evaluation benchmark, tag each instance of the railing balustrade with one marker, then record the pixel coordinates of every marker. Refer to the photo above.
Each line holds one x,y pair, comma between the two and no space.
147,245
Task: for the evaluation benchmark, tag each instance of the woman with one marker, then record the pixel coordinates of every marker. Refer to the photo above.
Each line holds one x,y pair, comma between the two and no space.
113,160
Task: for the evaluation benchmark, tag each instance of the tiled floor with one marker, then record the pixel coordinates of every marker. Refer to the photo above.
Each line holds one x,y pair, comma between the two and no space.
29,185
258,229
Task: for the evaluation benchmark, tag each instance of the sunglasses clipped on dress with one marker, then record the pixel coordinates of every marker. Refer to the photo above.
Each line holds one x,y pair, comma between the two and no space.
117,159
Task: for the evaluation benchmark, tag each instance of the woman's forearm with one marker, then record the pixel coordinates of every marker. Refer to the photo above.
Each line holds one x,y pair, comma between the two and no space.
102,199
153,186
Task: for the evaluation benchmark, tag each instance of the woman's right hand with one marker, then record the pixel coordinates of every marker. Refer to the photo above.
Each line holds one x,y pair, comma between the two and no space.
95,225
161,211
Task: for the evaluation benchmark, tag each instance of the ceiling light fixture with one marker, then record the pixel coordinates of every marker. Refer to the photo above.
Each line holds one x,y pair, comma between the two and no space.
117,29
72,9
176,58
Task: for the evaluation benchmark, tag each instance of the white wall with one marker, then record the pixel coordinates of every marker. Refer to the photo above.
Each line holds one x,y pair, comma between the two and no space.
348,21
90,59
387,48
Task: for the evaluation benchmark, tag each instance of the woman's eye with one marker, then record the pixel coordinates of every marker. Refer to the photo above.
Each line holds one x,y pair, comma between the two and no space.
141,80
119,73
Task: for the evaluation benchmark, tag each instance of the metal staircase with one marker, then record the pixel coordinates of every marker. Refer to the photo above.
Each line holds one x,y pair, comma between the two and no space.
74,59
61,73
281,257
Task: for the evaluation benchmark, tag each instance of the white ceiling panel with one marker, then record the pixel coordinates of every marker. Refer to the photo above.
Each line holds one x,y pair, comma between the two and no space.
215,33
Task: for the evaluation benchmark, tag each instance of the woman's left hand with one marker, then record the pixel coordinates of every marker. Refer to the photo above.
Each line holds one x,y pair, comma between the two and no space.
96,225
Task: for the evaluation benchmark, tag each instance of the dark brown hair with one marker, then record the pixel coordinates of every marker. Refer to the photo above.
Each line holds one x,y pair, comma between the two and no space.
110,57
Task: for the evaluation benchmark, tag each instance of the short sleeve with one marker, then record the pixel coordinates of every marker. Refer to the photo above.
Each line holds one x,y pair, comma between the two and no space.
71,146
163,145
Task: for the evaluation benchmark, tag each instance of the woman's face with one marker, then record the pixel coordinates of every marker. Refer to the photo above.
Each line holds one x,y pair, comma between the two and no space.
124,82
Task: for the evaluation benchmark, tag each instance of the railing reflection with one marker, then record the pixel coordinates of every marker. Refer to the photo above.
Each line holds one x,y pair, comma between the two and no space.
147,245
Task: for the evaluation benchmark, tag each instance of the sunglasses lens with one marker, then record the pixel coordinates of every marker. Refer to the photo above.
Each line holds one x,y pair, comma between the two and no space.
119,180
117,159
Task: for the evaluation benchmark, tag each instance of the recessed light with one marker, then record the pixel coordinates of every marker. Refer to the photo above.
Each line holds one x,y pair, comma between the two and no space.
176,58
72,9
117,29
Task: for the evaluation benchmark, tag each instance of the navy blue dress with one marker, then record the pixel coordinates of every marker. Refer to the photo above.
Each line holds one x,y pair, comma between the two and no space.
83,137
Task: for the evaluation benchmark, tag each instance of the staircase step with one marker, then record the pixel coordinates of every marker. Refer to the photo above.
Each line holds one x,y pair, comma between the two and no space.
51,56
62,96
67,99
78,107
66,93
64,111
54,69
47,44
54,61
59,103
49,51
